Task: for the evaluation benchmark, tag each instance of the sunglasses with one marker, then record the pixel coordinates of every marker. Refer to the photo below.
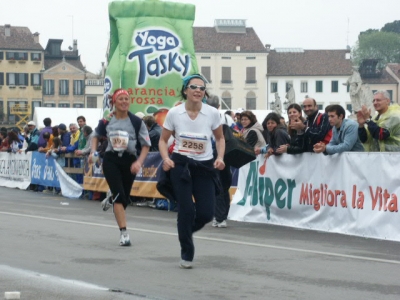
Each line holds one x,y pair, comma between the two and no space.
195,87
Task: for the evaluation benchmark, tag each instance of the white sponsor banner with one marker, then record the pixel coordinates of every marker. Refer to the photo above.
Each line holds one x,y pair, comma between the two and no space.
350,193
15,170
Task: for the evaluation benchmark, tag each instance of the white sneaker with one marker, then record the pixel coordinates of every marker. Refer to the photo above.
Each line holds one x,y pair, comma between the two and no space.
222,224
124,240
214,223
184,264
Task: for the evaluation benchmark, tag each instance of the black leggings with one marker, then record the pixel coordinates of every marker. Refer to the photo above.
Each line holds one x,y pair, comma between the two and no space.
117,171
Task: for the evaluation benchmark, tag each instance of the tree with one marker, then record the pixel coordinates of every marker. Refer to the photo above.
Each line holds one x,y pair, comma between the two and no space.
381,45
392,27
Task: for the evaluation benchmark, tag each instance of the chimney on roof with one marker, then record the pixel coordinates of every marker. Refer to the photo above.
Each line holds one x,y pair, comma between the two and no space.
7,30
238,47
268,47
75,45
348,52
36,37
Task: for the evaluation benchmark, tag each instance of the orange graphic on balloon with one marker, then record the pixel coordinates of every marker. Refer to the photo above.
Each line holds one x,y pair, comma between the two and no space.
160,116
263,168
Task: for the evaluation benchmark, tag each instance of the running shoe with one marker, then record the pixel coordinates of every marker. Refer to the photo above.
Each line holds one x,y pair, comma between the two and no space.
184,264
124,240
222,224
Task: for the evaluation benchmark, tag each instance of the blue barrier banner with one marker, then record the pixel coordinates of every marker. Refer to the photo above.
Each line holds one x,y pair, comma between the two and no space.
44,170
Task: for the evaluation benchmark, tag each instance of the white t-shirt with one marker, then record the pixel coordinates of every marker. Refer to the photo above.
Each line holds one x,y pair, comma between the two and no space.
199,130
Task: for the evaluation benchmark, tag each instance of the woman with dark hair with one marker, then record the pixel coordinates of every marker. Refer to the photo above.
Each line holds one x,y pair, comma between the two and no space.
14,142
296,137
191,168
277,135
252,130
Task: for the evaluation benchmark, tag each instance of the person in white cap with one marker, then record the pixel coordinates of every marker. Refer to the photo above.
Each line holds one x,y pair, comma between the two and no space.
33,137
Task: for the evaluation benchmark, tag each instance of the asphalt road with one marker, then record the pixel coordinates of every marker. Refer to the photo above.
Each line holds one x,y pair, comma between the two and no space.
57,248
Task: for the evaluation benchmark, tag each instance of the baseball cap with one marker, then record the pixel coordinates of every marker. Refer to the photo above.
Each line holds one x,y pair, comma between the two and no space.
31,123
62,126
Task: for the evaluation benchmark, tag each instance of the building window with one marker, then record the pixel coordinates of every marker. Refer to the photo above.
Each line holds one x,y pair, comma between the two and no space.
304,87
206,57
10,104
91,102
22,55
1,78
13,104
78,105
251,75
49,105
10,55
391,94
63,89
36,79
251,101
78,87
225,57
1,55
250,57
320,106
64,105
206,72
36,56
17,55
48,87
226,75
274,87
11,79
288,85
22,79
17,79
349,107
1,110
55,49
335,86
226,100
318,86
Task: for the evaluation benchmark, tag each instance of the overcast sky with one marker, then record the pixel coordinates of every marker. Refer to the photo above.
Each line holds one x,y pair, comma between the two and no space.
307,24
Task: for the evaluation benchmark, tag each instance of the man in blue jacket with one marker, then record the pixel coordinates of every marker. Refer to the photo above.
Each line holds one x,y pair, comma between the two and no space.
345,133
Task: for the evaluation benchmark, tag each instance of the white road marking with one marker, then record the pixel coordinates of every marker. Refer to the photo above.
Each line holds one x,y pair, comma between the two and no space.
235,242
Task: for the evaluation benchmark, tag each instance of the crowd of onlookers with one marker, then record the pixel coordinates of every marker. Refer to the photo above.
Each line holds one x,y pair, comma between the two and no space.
51,140
329,133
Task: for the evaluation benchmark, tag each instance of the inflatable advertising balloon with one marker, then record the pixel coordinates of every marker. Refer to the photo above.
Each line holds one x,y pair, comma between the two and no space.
151,50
